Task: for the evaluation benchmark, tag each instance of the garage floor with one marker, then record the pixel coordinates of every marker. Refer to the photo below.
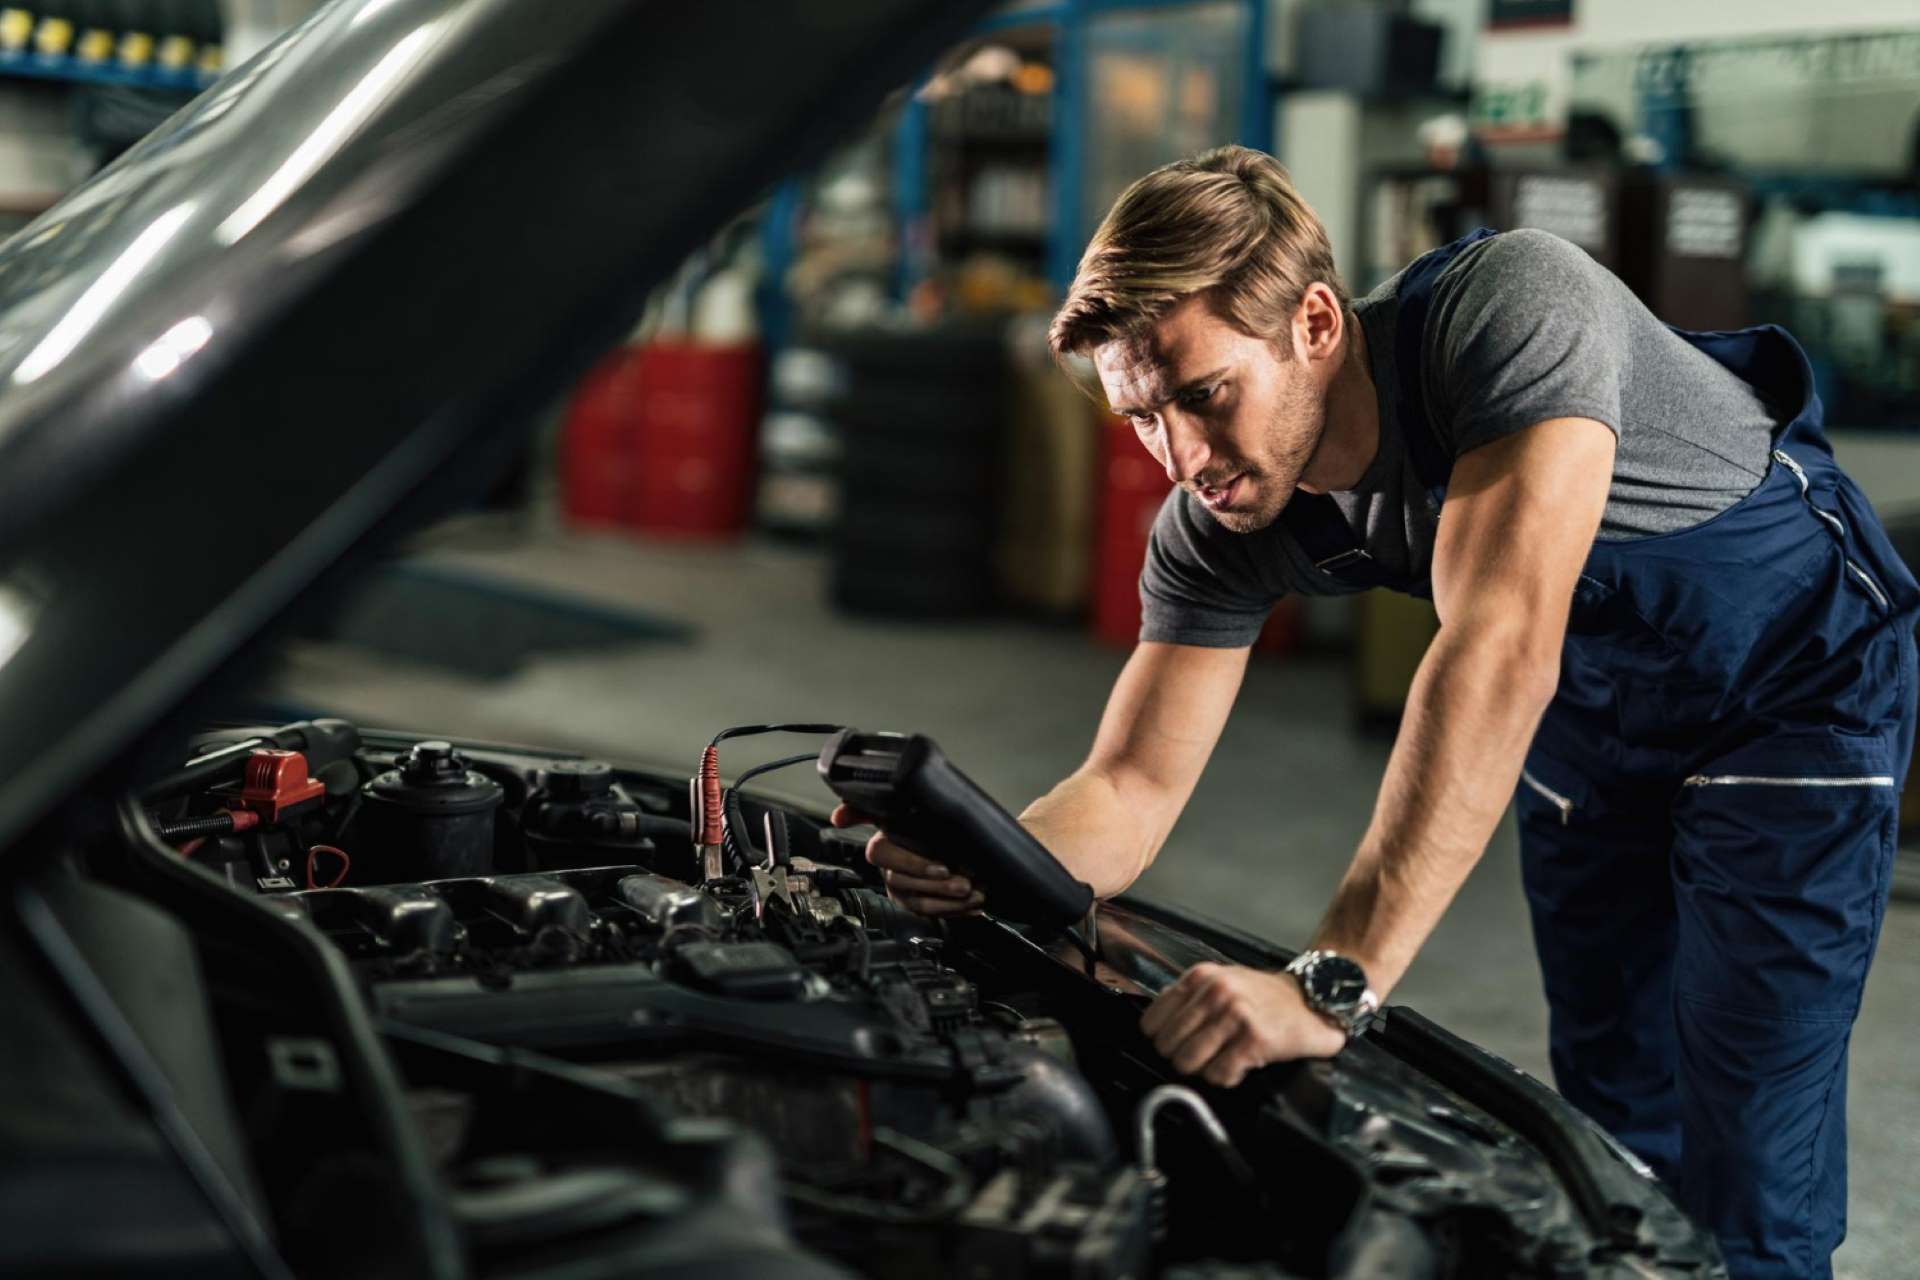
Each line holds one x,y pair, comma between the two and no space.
1266,837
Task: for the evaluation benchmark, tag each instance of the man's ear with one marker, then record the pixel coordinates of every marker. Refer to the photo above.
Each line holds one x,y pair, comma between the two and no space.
1318,323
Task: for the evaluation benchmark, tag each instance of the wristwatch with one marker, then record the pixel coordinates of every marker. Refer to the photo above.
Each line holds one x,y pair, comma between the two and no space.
1336,987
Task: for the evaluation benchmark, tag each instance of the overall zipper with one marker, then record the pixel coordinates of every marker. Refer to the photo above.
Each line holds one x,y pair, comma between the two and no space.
1873,588
1839,530
1833,521
1770,780
1552,797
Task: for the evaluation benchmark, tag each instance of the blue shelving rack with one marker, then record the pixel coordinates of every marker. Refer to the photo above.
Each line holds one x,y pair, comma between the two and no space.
1066,156
1066,148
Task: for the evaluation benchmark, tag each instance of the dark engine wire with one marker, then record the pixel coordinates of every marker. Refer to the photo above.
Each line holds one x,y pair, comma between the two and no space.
748,730
785,762
736,816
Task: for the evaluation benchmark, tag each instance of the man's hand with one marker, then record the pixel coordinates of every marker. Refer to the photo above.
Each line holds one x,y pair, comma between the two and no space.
919,884
1221,1021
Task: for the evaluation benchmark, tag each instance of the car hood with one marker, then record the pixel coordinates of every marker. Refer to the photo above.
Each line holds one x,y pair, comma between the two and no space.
315,307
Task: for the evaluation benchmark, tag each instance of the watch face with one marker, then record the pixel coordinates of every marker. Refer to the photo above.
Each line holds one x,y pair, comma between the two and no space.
1335,982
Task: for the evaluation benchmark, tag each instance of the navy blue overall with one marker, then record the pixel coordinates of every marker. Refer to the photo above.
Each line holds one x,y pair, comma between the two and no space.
1708,812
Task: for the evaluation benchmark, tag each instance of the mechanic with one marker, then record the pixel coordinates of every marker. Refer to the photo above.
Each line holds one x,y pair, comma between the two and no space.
1658,596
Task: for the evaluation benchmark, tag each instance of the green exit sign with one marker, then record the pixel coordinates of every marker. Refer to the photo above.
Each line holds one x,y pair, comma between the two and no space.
1510,106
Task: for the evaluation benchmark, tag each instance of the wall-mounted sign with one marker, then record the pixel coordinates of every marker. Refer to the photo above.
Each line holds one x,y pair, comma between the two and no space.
1514,110
1572,208
1529,13
1705,222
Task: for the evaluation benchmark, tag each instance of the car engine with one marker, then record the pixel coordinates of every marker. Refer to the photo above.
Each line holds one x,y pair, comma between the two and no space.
610,1016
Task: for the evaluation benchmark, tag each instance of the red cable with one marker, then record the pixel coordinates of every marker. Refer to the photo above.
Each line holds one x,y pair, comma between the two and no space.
346,865
713,819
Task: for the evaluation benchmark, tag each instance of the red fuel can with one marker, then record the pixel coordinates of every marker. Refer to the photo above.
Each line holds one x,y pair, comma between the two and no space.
596,451
697,411
1132,487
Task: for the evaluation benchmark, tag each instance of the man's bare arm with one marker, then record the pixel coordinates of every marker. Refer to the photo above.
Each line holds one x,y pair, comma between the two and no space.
1519,518
1107,821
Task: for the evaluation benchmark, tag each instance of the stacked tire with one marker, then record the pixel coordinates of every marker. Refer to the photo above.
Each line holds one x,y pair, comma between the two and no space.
799,496
921,415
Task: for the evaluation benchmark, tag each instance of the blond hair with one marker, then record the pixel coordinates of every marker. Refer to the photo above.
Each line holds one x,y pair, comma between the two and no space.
1227,223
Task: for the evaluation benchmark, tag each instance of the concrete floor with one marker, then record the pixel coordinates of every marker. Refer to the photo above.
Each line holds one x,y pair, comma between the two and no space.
1268,833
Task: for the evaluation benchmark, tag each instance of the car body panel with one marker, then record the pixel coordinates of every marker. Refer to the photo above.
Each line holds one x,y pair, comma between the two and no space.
325,300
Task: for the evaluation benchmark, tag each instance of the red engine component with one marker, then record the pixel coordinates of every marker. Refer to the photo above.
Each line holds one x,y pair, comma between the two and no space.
277,783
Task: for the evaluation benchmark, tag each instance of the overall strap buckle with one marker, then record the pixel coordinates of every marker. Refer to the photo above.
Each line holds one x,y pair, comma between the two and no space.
1346,557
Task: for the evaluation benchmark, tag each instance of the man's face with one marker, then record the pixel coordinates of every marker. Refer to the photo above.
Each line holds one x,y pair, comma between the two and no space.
1233,421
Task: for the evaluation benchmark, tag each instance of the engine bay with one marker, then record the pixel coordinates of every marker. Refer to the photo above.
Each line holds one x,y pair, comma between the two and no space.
612,1017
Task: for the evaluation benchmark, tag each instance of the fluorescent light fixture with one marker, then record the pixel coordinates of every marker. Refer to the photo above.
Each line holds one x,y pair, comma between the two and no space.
372,10
91,305
327,136
173,347
16,622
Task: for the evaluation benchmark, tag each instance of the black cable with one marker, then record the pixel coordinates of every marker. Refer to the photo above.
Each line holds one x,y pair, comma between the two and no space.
736,817
733,832
786,762
748,730
213,824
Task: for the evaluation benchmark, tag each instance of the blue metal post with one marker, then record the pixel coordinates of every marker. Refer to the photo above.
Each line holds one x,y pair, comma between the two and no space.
1256,98
1666,103
1065,149
911,203
777,254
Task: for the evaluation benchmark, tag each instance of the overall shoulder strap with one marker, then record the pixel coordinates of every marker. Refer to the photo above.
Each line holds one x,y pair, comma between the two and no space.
1431,462
1315,520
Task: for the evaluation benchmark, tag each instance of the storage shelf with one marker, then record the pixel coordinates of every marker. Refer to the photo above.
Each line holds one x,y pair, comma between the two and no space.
39,66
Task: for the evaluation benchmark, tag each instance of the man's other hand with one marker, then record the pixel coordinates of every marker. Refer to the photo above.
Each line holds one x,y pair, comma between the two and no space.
1221,1021
921,885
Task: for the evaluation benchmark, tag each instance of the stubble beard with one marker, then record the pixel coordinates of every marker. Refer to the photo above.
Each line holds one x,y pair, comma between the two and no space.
1292,437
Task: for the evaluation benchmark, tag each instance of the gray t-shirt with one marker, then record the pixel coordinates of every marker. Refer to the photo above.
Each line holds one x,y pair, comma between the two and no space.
1523,327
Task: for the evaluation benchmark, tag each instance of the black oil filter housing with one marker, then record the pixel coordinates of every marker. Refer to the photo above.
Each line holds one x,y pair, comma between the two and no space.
431,817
